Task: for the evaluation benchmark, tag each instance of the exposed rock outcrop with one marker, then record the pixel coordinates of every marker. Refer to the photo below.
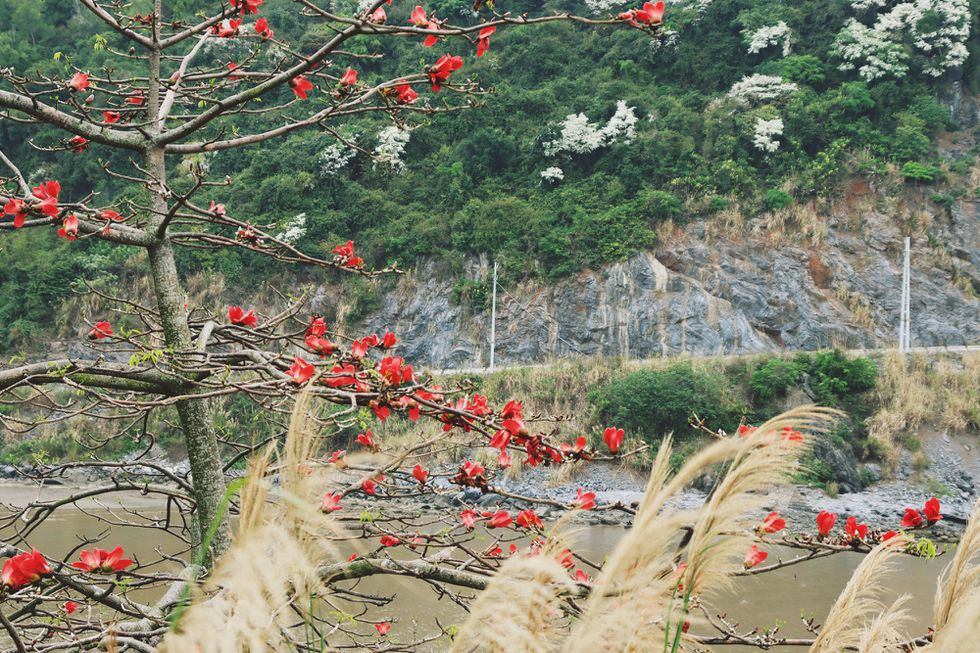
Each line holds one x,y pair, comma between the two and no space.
707,294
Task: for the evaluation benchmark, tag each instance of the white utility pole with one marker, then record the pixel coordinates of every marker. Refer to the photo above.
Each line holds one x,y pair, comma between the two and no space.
493,316
905,321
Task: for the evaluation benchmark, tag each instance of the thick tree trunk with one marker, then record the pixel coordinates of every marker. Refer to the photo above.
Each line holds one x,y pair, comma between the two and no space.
195,415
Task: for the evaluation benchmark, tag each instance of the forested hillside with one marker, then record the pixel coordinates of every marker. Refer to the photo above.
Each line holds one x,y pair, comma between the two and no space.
595,140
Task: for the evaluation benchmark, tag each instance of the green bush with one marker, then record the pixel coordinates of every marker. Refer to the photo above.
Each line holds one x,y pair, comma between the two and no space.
717,203
773,379
919,172
653,403
835,377
778,199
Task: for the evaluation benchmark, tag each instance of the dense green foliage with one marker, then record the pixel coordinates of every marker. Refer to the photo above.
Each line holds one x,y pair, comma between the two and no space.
652,403
472,180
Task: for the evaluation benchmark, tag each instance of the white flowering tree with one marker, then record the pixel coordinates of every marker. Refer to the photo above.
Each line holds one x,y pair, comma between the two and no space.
930,34
578,135
765,37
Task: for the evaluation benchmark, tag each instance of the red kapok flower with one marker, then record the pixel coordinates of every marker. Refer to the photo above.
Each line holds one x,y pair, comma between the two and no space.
442,69
78,82
382,628
100,330
613,438
365,439
585,500
468,517
344,255
825,522
70,607
773,523
110,117
262,28
300,371
248,6
349,78
300,86
78,144
503,460
931,511
472,469
100,560
431,39
512,409
650,14
483,40
390,540
582,577
24,569
17,208
389,340
378,16
48,194
854,530
500,519
226,28
69,227
330,502
136,98
912,518
418,17
369,486
421,474
528,519
236,315
754,556
406,94
790,434
745,430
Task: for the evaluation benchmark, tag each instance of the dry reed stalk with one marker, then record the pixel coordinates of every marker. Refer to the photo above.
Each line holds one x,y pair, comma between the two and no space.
858,605
882,635
251,601
517,611
961,577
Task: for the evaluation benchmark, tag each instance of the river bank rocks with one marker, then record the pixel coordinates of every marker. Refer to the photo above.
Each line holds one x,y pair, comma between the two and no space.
952,476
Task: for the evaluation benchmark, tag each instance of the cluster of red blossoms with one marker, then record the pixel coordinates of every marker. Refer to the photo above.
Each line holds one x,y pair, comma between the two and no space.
100,560
650,14
526,519
344,255
931,512
24,569
236,315
788,433
30,567
854,532
47,194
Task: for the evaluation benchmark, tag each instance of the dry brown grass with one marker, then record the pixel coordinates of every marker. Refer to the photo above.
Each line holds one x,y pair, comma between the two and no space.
915,389
249,603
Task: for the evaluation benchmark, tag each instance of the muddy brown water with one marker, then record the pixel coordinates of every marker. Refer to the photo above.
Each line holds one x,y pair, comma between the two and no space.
776,598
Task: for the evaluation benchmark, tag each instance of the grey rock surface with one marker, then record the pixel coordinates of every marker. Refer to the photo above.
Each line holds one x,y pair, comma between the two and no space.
701,294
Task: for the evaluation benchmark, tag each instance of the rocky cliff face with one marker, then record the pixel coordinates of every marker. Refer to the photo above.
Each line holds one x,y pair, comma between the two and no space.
715,290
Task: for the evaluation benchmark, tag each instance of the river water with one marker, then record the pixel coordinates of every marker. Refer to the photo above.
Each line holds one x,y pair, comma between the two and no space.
780,597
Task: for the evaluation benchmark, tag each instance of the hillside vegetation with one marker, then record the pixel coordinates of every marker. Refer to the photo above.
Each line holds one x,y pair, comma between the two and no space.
594,140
